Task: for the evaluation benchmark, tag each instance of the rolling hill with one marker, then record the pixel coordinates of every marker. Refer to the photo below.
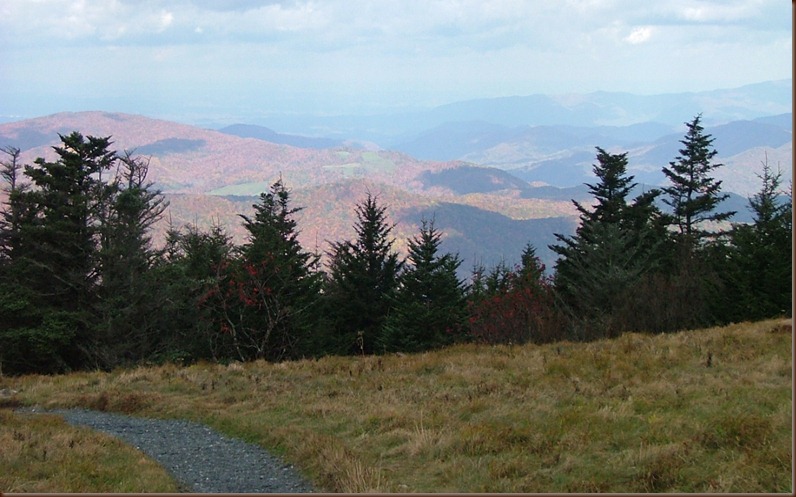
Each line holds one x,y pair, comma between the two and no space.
269,135
211,177
187,159
494,174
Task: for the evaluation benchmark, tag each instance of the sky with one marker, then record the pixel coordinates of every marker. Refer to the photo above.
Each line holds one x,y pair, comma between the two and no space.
189,60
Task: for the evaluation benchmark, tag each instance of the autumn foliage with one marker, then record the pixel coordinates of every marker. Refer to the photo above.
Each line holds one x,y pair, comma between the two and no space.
513,306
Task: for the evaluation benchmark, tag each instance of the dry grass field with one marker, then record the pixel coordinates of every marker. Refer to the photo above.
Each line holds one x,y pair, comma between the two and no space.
698,411
42,453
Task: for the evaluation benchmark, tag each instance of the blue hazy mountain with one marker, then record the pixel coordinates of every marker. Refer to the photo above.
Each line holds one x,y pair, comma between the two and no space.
580,110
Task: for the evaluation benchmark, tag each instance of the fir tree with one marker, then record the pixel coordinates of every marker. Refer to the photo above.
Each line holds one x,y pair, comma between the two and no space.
610,191
694,194
51,325
614,245
16,211
428,310
759,268
12,212
193,272
128,294
271,307
22,347
362,278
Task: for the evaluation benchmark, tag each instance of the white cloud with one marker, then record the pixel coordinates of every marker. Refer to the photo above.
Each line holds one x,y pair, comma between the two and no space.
454,48
639,35
399,25
719,12
165,20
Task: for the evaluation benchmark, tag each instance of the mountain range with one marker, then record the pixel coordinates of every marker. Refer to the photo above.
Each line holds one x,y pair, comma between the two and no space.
494,174
581,110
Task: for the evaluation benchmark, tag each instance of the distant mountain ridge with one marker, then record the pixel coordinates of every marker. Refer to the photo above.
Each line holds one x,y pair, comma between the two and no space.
563,155
269,135
189,159
551,139
600,108
623,109
495,174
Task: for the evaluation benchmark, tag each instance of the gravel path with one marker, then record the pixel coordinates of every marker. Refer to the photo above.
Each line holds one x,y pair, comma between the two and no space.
201,459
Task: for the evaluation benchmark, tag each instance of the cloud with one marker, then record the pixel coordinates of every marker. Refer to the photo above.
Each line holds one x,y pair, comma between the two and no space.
451,48
707,12
639,35
165,20
431,26
234,5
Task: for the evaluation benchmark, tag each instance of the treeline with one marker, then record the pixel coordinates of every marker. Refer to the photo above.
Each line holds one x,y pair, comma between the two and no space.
83,287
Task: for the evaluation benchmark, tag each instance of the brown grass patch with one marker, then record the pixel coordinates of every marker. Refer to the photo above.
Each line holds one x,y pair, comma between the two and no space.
41,453
639,413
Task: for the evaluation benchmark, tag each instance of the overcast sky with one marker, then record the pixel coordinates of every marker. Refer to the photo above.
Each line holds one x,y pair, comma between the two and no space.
192,59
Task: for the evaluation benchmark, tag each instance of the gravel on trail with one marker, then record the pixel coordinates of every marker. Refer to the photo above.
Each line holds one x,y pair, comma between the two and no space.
199,458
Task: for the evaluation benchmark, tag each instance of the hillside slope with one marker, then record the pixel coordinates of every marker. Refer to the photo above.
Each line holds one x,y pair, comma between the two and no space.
211,177
187,159
705,411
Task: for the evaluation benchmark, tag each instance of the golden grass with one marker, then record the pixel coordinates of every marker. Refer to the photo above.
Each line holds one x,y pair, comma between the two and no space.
700,411
41,453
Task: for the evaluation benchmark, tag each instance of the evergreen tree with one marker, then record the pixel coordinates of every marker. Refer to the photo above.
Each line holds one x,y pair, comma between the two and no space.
22,348
485,284
51,323
759,268
428,310
694,194
515,307
70,196
271,308
12,213
687,295
10,168
362,278
193,274
610,192
614,245
128,291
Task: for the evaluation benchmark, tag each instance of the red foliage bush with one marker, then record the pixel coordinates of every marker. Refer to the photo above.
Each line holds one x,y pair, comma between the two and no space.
522,312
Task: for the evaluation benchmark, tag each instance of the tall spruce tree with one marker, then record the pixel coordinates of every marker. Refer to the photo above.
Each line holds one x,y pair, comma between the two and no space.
428,309
361,282
11,214
759,267
271,310
129,293
51,325
20,352
694,194
192,272
610,192
614,245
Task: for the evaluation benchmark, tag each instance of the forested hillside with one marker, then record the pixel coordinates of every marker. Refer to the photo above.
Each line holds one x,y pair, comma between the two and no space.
82,285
